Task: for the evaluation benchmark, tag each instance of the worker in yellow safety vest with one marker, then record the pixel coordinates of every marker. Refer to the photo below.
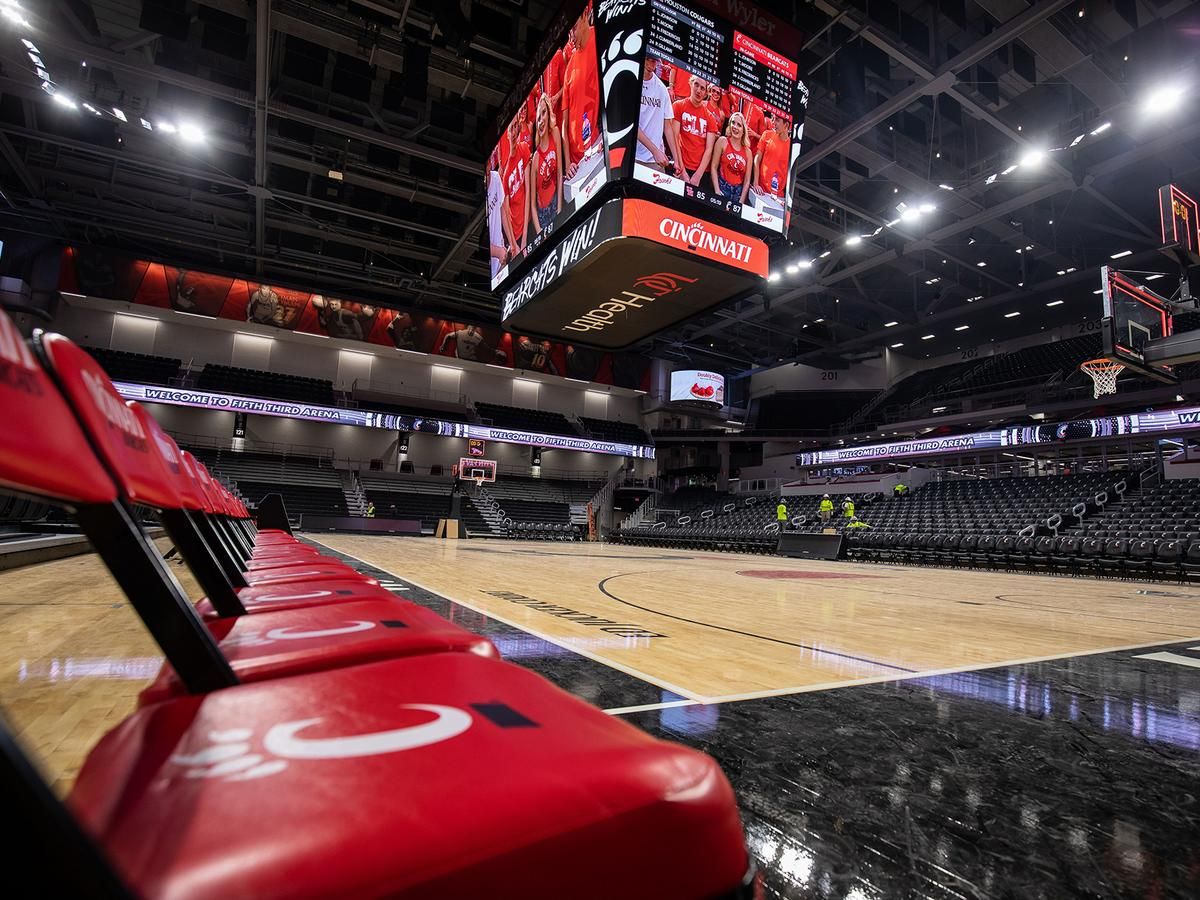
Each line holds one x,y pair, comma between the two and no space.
781,515
370,510
848,508
857,523
826,509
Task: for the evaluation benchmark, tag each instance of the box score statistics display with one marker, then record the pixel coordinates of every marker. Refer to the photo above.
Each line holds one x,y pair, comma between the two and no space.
683,40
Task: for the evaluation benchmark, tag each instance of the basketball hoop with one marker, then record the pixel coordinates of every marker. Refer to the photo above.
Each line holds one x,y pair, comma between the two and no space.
1104,374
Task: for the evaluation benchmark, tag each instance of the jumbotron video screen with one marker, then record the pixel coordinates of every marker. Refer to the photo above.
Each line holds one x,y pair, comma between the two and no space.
550,158
718,125
716,115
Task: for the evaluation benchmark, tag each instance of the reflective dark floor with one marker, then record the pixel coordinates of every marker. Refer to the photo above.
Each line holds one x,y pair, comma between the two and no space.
1071,778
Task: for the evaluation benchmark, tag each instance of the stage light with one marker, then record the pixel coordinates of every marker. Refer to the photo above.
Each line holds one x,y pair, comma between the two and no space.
1163,100
773,277
1033,157
981,265
805,263
926,208
819,321
910,214
854,240
63,100
945,187
167,127
119,114
792,269
191,133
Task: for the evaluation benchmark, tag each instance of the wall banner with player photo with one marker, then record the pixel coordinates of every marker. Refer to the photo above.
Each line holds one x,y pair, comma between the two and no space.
115,277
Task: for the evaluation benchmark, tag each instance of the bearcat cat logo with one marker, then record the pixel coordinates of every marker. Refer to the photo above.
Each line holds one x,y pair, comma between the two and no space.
663,283
619,59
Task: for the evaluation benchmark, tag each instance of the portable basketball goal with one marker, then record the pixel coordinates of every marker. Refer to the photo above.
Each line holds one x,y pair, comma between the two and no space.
1104,374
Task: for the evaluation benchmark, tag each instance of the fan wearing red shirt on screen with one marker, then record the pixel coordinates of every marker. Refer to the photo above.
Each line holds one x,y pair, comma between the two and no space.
581,96
545,169
720,104
552,82
771,161
696,131
732,161
514,174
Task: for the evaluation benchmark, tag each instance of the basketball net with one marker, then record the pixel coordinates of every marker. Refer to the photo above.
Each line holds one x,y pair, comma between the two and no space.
1104,374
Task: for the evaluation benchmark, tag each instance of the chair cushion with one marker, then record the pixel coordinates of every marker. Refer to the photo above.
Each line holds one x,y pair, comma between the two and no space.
299,595
292,642
428,777
318,570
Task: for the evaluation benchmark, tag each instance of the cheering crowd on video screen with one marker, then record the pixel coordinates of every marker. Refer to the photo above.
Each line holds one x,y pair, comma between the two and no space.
550,158
718,141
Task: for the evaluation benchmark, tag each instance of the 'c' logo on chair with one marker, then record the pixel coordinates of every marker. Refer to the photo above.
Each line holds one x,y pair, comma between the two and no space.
229,756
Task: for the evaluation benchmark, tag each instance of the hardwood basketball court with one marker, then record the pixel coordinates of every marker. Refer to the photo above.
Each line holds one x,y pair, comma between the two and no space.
720,627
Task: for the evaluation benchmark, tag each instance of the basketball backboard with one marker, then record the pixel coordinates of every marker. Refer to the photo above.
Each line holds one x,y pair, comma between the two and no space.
1134,317
472,468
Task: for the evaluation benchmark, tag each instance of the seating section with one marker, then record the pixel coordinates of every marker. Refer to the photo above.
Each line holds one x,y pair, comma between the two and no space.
408,497
718,521
253,383
121,365
537,508
623,432
525,419
272,716
1033,365
308,485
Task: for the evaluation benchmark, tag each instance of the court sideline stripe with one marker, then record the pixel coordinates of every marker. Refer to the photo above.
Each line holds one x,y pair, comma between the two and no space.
604,661
602,585
933,673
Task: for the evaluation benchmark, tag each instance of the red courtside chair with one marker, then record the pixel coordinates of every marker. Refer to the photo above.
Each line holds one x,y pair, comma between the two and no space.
271,645
436,776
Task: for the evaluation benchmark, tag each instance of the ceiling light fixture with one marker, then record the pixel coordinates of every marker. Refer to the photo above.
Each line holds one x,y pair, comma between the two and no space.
1056,302
1121,254
962,327
1011,315
898,344
890,324
927,337
854,240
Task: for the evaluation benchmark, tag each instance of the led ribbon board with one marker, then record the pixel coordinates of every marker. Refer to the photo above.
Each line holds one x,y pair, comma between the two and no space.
149,393
1151,422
